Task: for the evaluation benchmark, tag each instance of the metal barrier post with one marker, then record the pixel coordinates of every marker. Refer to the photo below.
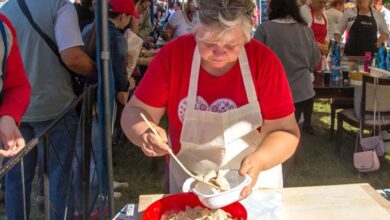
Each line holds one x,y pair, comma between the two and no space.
46,176
23,189
86,148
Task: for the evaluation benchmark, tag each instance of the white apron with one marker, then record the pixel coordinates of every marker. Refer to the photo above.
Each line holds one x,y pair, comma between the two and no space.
212,140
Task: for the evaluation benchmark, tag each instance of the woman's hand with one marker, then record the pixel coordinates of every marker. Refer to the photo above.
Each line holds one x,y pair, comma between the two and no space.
150,53
122,97
10,136
280,139
381,39
252,166
153,146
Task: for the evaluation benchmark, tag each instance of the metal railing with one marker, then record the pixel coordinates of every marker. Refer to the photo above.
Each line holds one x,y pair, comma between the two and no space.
85,125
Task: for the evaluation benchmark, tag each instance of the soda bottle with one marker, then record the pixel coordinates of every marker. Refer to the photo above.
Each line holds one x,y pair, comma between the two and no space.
367,61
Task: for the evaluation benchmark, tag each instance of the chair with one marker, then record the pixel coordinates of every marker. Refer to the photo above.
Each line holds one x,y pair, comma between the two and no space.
338,104
367,108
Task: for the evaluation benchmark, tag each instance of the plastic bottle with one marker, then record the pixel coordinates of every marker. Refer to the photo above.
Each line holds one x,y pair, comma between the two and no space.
374,62
335,61
388,59
367,61
382,57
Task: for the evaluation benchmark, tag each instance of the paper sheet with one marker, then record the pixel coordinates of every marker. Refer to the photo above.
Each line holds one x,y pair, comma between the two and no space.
263,205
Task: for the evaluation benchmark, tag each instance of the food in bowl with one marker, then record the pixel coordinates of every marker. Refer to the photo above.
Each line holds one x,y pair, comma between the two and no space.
214,199
198,213
217,178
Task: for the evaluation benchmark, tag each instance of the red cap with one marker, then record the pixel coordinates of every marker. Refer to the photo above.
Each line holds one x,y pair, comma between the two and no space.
123,6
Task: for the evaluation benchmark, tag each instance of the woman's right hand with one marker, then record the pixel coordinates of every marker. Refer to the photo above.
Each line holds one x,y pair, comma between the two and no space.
153,146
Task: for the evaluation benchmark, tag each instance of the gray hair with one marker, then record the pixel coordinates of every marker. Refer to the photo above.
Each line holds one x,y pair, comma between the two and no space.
223,15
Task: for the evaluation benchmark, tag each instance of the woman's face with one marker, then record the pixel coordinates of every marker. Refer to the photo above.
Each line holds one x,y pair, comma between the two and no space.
218,53
319,4
364,3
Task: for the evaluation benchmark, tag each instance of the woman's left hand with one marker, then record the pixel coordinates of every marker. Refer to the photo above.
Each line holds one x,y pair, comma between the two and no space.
10,136
252,166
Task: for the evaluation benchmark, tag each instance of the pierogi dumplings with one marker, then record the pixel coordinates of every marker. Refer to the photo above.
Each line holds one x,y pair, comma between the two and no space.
198,213
217,178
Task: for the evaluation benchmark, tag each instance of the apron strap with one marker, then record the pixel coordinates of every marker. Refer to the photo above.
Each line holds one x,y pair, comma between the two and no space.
373,18
193,88
312,15
247,76
322,14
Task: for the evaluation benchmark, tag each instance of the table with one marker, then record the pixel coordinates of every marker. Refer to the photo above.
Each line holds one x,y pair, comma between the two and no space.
341,94
350,201
339,90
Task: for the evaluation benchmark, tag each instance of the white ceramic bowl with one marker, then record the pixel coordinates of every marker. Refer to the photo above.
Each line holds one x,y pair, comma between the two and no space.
215,200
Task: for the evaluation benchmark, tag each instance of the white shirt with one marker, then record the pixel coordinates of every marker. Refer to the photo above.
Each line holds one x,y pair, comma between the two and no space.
181,23
350,15
334,17
66,28
308,18
386,14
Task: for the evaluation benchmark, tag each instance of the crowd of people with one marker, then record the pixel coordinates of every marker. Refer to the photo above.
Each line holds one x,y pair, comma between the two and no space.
234,92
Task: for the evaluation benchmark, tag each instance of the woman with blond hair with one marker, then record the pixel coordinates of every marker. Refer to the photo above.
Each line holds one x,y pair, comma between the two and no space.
227,99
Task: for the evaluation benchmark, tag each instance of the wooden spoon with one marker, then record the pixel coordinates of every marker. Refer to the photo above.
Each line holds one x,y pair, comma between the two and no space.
214,185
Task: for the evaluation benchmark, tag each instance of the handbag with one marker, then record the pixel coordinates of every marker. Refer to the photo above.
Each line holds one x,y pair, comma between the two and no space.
374,142
366,161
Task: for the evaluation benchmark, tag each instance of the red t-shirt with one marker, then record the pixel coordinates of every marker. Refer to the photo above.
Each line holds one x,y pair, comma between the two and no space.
166,83
16,87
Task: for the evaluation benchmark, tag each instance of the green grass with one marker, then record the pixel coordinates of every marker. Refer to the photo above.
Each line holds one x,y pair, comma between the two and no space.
318,163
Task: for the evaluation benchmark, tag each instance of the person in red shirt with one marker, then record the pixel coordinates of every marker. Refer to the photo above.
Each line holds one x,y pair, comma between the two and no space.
15,92
227,98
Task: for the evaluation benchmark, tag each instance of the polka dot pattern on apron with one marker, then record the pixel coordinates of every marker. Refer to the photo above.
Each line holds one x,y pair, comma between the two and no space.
219,105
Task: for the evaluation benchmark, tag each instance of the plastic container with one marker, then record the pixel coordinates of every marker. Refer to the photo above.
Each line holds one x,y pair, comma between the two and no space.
214,200
178,202
374,61
336,64
367,61
388,59
382,57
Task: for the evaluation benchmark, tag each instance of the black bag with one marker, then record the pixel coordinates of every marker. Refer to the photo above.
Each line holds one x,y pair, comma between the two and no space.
78,85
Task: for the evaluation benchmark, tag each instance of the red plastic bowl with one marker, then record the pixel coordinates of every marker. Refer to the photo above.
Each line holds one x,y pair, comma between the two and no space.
178,202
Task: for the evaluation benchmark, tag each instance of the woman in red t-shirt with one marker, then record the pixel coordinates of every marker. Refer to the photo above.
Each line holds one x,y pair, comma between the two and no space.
15,92
220,88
